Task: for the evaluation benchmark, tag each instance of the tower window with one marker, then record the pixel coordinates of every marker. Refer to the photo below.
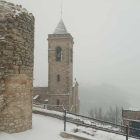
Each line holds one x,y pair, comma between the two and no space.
58,54
58,78
57,102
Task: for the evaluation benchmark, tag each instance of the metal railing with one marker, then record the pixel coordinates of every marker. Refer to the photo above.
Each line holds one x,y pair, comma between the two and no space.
126,128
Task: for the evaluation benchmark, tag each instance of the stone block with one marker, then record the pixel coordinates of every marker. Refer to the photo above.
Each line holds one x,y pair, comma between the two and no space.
2,128
7,52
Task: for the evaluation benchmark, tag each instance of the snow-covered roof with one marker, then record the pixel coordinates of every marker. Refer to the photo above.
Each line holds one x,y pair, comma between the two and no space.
36,97
133,109
46,100
60,29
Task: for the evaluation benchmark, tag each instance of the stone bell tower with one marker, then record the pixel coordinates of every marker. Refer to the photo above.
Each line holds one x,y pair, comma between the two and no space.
60,65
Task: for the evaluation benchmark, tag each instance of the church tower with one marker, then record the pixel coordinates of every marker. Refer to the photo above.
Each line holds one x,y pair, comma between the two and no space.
62,94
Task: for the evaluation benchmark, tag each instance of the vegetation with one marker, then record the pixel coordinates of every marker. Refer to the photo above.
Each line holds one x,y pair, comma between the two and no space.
113,115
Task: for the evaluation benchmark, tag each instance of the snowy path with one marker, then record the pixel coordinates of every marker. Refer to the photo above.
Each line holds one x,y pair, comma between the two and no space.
44,128
47,128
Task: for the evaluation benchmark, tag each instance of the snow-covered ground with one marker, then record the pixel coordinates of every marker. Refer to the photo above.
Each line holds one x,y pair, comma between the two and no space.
86,121
47,128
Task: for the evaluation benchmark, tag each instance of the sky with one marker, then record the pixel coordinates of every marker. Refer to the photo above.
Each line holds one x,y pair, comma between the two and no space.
106,35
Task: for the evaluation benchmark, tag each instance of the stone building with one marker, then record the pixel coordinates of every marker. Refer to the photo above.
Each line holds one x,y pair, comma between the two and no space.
16,67
131,117
61,93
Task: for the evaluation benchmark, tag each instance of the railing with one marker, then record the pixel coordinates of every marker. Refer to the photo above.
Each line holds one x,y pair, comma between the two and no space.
126,128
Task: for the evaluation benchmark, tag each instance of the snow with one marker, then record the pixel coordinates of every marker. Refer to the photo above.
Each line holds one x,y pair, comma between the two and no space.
16,9
46,100
133,109
47,128
74,84
88,122
44,128
55,112
36,97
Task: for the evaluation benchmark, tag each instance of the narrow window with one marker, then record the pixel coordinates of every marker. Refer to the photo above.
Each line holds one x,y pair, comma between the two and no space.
58,78
57,102
58,54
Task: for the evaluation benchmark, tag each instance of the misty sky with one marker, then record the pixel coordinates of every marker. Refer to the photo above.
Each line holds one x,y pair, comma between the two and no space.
106,35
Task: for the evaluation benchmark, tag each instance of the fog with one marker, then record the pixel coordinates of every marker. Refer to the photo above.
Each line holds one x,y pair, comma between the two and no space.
106,50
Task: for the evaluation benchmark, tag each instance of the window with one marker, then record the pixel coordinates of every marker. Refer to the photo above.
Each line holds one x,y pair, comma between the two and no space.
57,102
58,78
58,54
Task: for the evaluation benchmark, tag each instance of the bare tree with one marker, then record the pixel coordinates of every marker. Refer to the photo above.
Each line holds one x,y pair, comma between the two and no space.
113,115
96,113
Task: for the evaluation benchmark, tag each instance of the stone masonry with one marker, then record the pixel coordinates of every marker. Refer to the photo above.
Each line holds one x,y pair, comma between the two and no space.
61,93
16,67
62,90
130,115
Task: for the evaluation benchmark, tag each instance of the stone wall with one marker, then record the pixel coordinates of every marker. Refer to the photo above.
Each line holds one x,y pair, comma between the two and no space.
130,115
64,67
63,99
42,92
76,102
58,115
60,90
16,67
73,118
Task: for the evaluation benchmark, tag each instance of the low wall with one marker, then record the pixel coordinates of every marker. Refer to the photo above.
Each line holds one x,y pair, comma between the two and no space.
60,115
38,106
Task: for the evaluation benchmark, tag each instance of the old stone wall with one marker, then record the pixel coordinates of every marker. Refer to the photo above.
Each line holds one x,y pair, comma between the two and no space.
63,100
63,67
130,114
42,92
72,118
76,102
60,90
16,67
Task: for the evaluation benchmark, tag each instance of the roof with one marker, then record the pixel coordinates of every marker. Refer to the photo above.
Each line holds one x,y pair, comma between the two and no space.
46,100
36,97
132,109
60,29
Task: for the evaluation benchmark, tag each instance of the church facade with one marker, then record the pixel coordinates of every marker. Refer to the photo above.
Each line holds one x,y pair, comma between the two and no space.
62,92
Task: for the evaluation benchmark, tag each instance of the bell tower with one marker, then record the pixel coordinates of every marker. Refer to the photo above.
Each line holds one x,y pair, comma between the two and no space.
60,69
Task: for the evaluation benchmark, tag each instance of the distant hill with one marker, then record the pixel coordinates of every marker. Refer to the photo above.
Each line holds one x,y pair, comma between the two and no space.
104,95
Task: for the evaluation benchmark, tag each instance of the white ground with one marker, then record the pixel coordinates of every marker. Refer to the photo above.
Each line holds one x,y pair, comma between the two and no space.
47,128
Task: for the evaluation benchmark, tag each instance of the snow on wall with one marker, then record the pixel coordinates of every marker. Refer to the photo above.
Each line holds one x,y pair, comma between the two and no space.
15,9
133,109
60,115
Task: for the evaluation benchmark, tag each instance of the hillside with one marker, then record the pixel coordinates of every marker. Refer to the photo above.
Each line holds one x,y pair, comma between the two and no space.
104,95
